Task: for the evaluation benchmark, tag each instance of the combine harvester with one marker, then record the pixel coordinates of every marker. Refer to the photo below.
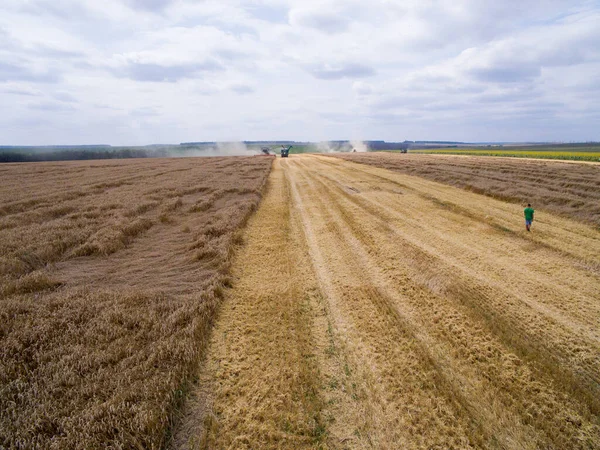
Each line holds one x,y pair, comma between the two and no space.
285,151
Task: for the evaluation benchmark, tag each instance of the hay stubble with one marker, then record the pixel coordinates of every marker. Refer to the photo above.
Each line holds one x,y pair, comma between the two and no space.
431,324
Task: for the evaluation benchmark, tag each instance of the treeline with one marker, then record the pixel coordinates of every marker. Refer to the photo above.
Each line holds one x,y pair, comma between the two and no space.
82,154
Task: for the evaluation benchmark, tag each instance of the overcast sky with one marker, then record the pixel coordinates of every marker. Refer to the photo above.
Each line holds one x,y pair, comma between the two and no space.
165,71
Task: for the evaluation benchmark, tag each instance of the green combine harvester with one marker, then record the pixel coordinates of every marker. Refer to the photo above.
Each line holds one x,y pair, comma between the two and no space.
285,151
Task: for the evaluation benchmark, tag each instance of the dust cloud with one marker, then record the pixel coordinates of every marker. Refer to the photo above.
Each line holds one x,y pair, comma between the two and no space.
341,146
217,149
359,146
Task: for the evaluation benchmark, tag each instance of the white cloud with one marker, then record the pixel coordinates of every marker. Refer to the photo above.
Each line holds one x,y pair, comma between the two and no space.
136,72
325,17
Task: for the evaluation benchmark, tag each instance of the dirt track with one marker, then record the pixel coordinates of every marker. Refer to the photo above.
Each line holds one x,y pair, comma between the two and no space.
373,309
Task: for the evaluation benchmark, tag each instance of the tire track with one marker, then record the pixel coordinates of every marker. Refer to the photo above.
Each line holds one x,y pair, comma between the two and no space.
577,343
272,359
487,425
407,373
513,372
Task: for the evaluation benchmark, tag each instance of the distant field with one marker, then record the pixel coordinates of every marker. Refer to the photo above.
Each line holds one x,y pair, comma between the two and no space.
110,272
576,153
571,190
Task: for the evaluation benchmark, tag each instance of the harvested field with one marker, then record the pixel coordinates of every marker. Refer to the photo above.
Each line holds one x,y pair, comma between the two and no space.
111,272
374,309
569,189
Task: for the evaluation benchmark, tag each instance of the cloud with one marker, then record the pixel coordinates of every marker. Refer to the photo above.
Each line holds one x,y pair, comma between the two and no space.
51,106
16,72
522,56
144,112
242,89
150,5
64,97
231,54
20,88
361,88
337,72
325,21
49,52
64,9
148,72
325,69
505,74
273,13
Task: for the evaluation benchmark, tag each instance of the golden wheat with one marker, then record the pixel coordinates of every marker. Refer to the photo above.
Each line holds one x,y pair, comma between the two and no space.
110,278
569,189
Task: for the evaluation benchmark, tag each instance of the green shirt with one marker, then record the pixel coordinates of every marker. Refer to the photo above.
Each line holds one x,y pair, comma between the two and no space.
529,213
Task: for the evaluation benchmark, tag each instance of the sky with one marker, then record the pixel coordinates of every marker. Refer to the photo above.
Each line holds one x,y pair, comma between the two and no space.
136,72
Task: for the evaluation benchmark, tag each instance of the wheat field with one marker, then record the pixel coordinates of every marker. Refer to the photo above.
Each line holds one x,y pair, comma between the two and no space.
566,188
307,303
374,309
111,272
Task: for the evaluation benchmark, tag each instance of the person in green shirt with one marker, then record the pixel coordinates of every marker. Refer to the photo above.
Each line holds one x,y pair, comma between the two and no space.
528,216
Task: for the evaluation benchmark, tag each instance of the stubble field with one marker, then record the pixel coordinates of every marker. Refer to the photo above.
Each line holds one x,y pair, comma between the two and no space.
363,307
372,309
110,276
568,189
